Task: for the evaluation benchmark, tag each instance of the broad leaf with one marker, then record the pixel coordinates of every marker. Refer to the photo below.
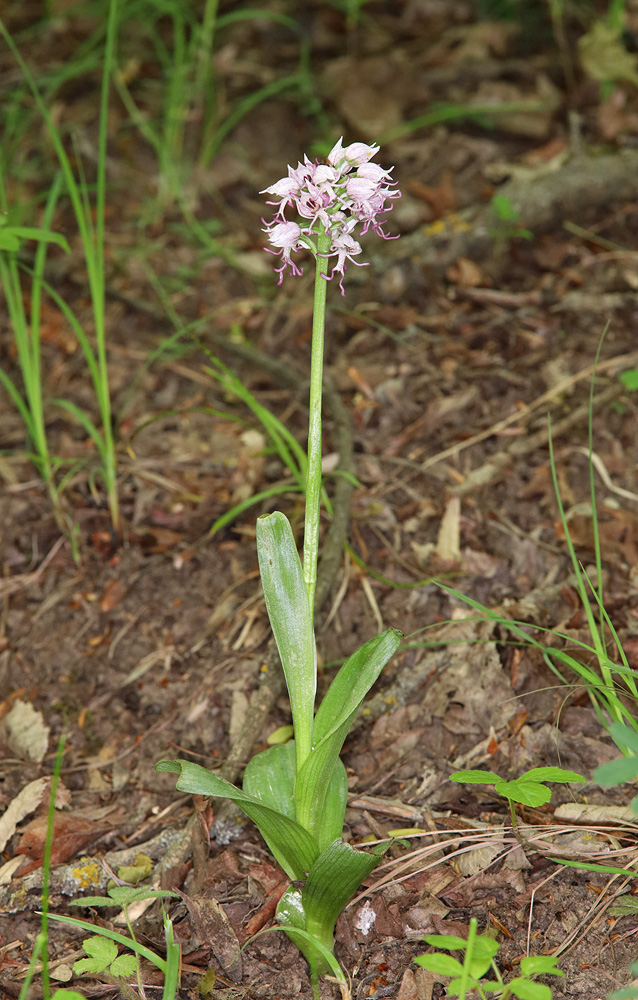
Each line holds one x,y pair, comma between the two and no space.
551,774
332,723
525,989
442,965
270,777
541,965
291,620
101,952
292,920
529,793
294,848
332,881
616,772
624,736
330,826
124,965
483,948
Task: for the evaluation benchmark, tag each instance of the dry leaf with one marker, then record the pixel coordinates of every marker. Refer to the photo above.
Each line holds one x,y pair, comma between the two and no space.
448,543
25,802
604,56
27,734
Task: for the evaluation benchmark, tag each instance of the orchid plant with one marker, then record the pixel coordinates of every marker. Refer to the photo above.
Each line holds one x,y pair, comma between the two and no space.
296,792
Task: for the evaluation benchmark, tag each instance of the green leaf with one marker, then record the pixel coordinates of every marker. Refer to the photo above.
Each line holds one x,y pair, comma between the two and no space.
591,867
67,995
476,777
624,906
540,965
616,772
629,993
530,793
330,827
101,952
448,941
332,881
630,381
122,896
622,734
41,235
270,777
484,947
442,965
294,848
280,735
503,208
124,965
551,774
291,620
525,989
292,920
332,723
456,985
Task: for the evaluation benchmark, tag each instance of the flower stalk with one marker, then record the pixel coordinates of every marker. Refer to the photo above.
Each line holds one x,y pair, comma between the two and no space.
313,476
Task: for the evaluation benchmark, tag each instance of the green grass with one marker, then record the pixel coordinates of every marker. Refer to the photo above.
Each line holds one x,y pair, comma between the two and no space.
92,237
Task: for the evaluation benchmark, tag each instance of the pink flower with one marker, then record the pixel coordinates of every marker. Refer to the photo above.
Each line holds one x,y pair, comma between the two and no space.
331,198
344,247
286,235
354,155
286,189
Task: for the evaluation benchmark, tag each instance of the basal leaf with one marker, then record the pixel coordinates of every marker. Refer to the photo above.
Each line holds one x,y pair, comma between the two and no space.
529,793
292,845
270,777
289,613
292,920
331,883
332,723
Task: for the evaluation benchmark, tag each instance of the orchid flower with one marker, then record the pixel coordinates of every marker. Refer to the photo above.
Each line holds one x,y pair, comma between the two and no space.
330,199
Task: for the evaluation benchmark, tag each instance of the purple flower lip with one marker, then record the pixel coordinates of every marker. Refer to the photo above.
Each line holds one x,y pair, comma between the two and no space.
331,198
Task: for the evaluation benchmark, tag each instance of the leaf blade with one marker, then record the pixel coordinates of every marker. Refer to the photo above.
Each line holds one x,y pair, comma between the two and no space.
294,847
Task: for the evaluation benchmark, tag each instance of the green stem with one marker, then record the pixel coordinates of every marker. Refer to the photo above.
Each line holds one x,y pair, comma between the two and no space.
513,814
313,476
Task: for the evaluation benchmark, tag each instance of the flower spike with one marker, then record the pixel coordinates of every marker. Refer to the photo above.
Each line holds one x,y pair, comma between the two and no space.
330,198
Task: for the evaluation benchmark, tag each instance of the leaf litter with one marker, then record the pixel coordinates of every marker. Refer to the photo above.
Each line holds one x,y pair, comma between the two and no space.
131,651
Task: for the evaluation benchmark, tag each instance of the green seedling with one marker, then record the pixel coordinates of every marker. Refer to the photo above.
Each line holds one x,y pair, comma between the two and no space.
529,789
630,379
479,952
103,957
506,224
296,792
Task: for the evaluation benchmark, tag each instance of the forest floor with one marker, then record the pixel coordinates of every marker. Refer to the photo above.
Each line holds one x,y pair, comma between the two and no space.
448,352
